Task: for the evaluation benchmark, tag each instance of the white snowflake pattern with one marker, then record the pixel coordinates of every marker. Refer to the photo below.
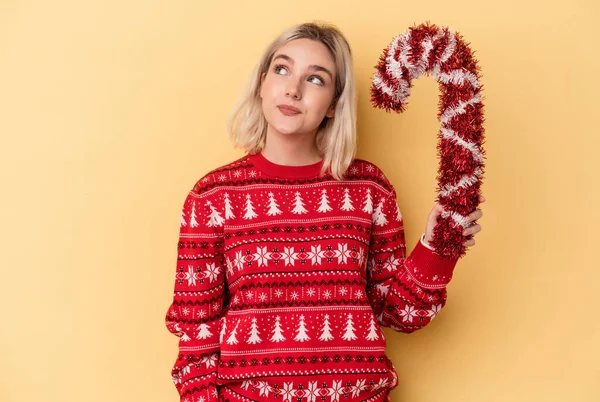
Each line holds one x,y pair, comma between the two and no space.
239,260
360,386
278,293
212,271
294,295
342,253
289,256
343,291
222,177
210,361
337,390
263,388
237,174
262,256
185,311
327,294
313,391
252,173
262,297
191,276
370,168
229,262
249,294
435,309
202,313
216,307
288,391
408,313
353,170
391,263
381,384
358,294
310,292
315,254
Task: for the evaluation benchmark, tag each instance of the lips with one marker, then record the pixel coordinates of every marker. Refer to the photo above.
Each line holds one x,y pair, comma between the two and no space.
288,110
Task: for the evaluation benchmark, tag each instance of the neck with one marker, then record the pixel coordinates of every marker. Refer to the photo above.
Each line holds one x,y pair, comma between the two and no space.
291,150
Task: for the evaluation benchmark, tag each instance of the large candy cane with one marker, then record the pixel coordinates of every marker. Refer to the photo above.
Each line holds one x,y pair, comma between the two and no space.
443,54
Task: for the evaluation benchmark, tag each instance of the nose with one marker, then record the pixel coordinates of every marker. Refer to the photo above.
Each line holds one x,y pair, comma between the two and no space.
293,89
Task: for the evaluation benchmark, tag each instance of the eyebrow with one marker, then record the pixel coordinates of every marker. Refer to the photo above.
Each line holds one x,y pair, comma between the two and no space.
315,67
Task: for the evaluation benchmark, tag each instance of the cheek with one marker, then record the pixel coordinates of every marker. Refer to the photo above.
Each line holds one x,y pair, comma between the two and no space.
322,103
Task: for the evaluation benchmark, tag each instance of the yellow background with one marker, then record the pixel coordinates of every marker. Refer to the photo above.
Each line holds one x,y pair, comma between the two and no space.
111,110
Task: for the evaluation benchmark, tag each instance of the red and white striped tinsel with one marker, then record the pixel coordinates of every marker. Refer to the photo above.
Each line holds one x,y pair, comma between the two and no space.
443,54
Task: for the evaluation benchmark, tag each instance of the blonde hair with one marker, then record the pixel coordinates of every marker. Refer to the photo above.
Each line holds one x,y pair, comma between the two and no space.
336,137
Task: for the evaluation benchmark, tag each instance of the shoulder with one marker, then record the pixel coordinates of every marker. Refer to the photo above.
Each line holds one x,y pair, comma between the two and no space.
364,170
225,175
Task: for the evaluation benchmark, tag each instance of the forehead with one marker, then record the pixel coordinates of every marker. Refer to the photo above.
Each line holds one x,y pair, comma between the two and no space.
308,52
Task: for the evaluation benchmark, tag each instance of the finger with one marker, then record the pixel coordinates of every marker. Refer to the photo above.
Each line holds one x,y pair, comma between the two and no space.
469,243
481,199
473,216
472,230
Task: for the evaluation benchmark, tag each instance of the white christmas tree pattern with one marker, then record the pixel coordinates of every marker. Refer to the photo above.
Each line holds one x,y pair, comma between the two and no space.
203,331
182,334
324,203
347,205
298,204
232,340
368,207
183,222
273,206
326,330
301,335
373,329
349,334
193,221
215,218
277,332
398,213
379,216
223,328
228,210
249,209
254,338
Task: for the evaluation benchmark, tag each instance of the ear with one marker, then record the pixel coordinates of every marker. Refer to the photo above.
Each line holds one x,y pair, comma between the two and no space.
262,79
331,111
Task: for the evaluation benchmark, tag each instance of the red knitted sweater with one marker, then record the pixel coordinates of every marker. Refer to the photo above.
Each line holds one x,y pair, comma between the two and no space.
283,279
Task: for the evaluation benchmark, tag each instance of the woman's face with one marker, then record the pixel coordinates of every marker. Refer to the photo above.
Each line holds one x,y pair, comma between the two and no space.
298,88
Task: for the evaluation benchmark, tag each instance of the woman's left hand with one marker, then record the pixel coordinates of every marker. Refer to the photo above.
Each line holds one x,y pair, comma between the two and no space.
469,233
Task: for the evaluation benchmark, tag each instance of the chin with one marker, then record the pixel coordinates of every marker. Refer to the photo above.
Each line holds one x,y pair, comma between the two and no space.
285,130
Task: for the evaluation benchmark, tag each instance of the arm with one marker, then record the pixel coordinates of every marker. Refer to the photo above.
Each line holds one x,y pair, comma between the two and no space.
197,308
406,293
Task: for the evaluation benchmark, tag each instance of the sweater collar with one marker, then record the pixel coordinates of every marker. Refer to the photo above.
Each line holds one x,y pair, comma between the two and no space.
272,169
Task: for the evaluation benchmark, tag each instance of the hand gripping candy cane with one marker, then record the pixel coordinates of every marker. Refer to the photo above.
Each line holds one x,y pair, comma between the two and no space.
442,54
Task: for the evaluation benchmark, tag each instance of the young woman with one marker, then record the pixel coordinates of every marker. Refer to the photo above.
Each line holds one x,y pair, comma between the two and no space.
292,257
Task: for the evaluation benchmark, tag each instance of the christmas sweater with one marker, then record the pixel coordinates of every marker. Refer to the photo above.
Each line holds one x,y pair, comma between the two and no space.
284,279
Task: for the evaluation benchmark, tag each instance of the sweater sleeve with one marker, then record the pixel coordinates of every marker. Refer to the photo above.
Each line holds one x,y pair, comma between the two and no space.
198,301
406,293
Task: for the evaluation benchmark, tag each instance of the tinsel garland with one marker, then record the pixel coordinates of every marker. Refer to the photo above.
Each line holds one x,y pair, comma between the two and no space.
441,53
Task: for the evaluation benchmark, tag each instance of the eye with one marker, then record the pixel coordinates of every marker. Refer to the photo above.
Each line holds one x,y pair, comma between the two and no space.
315,79
280,69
